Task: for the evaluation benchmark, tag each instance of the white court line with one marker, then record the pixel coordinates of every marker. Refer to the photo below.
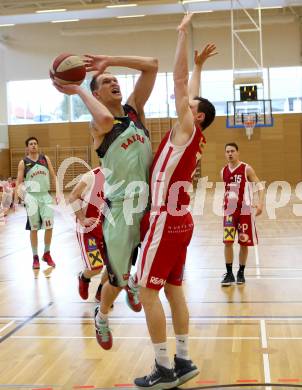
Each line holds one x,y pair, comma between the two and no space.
285,338
142,320
256,251
7,326
257,262
250,267
254,278
267,374
266,366
136,337
263,334
169,337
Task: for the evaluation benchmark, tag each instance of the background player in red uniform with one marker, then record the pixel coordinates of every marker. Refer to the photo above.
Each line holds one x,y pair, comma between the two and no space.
163,251
87,200
240,210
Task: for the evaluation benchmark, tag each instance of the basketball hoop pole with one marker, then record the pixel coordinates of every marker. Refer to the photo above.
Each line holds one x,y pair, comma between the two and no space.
249,122
249,132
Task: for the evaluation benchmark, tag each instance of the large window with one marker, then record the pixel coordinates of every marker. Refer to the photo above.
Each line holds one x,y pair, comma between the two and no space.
36,101
217,86
157,105
286,88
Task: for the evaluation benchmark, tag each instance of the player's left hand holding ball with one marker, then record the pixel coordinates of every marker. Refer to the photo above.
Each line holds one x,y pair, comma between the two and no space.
68,89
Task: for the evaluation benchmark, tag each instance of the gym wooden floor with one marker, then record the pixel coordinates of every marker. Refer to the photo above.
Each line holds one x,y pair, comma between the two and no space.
244,335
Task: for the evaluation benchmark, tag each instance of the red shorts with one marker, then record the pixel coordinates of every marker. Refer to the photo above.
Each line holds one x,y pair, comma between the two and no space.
164,248
244,225
92,248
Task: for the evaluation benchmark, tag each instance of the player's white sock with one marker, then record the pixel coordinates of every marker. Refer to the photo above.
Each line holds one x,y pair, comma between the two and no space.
132,282
182,346
101,316
161,354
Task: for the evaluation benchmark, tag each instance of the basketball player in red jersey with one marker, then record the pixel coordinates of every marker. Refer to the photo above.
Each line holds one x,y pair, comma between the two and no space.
87,200
239,211
170,224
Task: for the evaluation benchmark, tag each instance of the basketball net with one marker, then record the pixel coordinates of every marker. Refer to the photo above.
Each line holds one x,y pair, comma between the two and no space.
249,122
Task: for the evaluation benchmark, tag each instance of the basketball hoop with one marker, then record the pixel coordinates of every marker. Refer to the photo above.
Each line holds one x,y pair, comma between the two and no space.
249,121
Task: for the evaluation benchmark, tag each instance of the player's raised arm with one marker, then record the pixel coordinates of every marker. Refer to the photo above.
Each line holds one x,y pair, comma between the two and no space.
102,117
199,59
181,77
148,67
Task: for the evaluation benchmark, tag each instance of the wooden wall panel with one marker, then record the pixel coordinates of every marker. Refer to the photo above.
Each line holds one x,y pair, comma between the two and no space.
275,153
4,163
51,134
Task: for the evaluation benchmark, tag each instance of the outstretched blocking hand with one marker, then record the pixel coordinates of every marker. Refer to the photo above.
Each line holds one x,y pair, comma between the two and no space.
208,51
185,22
95,63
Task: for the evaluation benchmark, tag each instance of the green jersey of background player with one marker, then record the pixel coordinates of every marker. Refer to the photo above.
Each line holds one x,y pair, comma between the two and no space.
122,143
35,171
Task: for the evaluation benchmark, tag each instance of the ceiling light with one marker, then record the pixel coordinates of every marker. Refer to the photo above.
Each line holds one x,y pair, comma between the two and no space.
202,12
121,5
193,1
6,25
44,11
130,16
64,21
272,7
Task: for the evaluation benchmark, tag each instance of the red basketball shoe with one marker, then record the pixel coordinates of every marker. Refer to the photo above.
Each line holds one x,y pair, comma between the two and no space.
132,299
102,331
47,258
36,263
83,286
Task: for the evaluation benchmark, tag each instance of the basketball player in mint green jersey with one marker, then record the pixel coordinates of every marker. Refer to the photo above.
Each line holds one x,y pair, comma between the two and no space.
123,146
34,172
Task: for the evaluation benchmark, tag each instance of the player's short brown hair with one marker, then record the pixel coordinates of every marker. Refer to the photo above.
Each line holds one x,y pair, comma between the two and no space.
231,144
30,139
208,109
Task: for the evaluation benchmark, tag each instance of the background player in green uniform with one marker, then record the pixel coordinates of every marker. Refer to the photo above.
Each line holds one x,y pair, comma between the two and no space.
122,143
34,171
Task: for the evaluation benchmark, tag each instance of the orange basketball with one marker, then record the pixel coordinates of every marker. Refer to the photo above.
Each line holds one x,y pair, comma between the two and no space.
68,69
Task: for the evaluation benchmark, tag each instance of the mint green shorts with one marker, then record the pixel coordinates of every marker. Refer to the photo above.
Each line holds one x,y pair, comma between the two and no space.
39,212
121,241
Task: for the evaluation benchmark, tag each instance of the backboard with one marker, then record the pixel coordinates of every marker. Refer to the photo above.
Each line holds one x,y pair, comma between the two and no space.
238,110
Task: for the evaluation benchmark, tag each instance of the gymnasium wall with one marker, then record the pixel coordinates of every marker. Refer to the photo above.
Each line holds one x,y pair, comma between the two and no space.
275,153
4,163
29,49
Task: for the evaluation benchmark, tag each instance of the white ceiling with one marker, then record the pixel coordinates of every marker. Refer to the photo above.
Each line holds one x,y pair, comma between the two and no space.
24,11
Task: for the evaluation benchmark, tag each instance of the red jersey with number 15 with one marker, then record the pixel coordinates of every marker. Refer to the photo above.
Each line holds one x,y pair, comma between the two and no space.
237,190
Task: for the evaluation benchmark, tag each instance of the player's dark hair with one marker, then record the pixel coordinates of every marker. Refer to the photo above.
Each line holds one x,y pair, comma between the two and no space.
94,81
208,109
30,139
231,144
